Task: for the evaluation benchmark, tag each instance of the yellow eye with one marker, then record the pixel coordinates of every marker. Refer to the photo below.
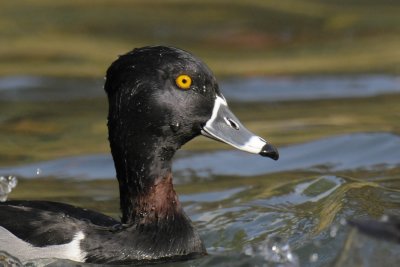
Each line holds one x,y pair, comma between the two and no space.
183,81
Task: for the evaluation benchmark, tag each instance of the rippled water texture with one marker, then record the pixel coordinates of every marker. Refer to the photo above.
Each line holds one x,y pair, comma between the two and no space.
250,211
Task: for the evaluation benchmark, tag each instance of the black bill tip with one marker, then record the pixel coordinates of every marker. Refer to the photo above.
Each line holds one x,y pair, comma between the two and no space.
269,151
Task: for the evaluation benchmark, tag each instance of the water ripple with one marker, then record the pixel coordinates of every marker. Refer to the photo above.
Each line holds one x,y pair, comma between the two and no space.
345,152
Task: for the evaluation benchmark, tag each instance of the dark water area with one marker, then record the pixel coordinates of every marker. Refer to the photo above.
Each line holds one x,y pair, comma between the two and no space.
250,211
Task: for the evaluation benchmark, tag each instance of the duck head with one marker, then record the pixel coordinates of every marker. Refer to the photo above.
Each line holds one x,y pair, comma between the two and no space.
159,99
164,92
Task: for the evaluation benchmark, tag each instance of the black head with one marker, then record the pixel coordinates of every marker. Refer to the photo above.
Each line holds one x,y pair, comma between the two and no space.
159,92
166,96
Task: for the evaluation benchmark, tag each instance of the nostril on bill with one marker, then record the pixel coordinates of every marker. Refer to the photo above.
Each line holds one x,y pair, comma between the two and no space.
232,123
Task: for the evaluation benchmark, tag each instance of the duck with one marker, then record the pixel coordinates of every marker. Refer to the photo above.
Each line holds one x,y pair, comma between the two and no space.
159,98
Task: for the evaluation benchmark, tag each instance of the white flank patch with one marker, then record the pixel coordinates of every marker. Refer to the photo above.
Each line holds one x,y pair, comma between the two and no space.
25,251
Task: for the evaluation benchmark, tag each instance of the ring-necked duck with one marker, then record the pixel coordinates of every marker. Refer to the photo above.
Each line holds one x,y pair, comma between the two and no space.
159,99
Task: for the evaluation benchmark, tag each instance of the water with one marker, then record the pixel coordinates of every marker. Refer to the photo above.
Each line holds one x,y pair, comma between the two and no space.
306,88
250,211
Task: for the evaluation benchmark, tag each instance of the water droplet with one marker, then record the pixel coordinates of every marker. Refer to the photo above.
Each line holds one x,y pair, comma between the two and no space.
248,250
384,218
6,186
313,257
38,171
273,250
333,231
12,181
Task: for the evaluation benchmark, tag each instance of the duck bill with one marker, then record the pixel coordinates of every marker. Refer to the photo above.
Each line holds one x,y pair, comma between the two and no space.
225,127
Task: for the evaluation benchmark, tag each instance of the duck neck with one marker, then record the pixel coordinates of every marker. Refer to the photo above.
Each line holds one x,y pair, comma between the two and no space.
144,174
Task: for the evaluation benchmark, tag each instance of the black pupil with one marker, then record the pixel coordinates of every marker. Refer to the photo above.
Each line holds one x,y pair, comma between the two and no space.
184,81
